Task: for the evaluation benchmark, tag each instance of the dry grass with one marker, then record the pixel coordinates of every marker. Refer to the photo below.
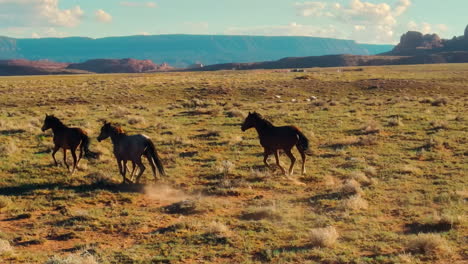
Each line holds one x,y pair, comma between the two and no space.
232,215
77,258
442,101
133,120
5,247
411,169
262,212
355,202
218,229
226,167
395,122
323,237
235,113
432,245
371,127
4,202
7,147
351,186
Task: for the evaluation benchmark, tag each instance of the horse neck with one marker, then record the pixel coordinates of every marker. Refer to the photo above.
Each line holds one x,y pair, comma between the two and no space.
116,137
263,127
58,127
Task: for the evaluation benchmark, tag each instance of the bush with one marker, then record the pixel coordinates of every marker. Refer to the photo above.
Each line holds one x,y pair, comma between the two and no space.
429,244
7,147
355,202
5,247
323,237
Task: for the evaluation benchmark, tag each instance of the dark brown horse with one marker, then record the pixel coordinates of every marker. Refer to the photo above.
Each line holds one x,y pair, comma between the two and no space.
131,148
68,138
273,139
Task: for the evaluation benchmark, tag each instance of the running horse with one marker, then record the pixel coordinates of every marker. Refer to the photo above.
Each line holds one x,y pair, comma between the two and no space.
70,138
273,139
131,148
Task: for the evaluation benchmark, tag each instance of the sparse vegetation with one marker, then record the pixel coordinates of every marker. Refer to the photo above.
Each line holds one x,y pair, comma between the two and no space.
375,181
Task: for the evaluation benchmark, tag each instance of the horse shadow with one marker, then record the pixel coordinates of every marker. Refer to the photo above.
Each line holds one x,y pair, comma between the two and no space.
83,188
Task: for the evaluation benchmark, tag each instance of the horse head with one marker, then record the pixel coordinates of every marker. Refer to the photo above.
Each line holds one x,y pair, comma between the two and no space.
47,122
249,121
106,130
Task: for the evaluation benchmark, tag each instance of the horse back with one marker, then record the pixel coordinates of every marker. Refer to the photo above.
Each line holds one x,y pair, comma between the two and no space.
69,137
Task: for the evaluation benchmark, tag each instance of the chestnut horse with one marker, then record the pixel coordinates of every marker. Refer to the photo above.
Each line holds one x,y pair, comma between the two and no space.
68,138
273,139
131,148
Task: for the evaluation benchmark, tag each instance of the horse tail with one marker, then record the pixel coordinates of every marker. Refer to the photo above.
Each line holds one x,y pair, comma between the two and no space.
303,143
85,146
156,158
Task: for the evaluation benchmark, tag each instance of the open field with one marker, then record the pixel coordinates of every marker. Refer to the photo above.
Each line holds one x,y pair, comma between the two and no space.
387,182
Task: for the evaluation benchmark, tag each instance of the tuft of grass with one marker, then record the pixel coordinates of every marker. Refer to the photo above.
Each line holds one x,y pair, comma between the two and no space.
370,171
77,258
235,113
395,122
351,186
218,229
355,202
260,213
133,120
432,245
323,237
4,202
439,124
7,147
5,247
410,169
226,167
371,127
442,101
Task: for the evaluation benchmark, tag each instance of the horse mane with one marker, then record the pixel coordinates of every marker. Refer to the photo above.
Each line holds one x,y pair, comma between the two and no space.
263,120
118,129
56,121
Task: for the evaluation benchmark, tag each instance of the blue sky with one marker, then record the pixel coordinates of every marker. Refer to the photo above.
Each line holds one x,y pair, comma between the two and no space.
366,21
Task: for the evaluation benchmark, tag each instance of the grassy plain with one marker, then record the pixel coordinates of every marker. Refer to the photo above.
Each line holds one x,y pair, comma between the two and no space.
387,182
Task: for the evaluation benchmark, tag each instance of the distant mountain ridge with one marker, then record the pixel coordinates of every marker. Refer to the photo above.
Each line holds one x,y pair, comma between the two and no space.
181,50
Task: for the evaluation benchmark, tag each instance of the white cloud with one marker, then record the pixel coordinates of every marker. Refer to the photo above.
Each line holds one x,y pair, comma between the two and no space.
370,22
292,29
48,33
139,4
427,28
38,13
103,16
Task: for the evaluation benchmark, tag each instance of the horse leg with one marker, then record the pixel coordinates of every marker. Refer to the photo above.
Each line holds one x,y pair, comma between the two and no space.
303,155
142,169
56,148
133,171
151,162
119,163
65,159
124,171
277,161
75,162
81,153
265,158
293,160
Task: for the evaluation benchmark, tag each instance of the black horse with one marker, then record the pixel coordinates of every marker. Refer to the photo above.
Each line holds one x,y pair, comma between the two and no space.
273,138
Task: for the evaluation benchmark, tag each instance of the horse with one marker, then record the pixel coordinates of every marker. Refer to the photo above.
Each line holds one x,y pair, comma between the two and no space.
68,138
273,139
131,148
